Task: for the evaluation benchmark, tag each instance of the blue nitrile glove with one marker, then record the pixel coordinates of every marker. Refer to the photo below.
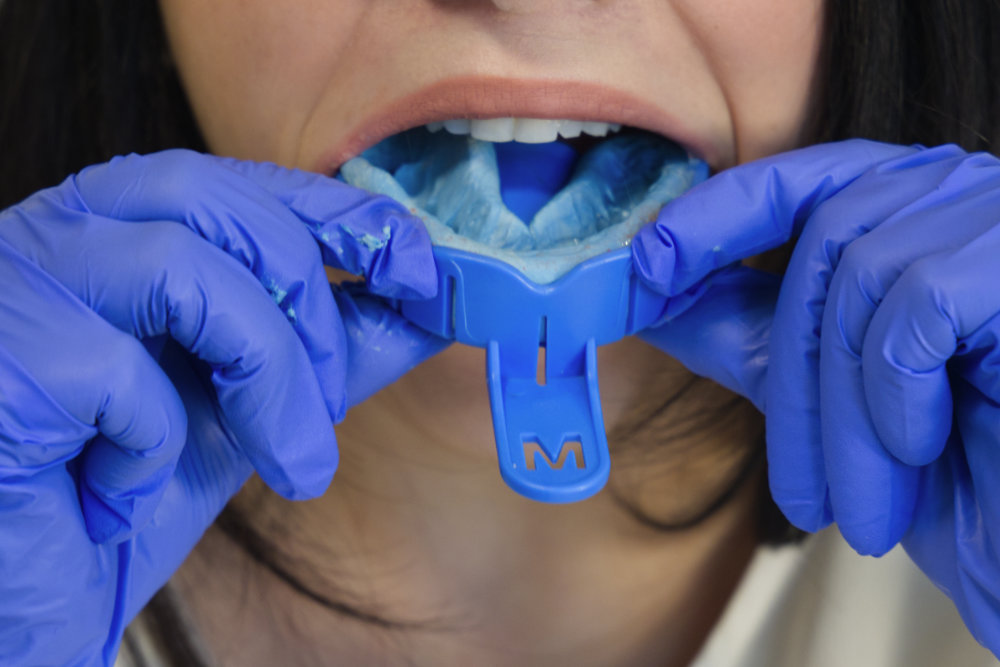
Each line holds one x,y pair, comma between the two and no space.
877,363
114,455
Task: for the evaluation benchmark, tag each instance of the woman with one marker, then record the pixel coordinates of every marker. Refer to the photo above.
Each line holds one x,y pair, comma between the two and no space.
417,542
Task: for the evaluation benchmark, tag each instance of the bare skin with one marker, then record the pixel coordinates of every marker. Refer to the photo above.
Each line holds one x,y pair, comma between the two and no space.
417,530
269,83
423,534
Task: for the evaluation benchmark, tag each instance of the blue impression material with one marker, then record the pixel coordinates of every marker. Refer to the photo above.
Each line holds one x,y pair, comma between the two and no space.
563,282
453,183
531,174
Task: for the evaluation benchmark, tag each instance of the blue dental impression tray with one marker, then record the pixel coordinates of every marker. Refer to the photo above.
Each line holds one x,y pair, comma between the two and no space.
550,437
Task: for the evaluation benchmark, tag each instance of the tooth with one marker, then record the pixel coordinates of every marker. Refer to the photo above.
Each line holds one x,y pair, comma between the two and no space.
523,130
570,129
457,125
535,130
595,129
493,129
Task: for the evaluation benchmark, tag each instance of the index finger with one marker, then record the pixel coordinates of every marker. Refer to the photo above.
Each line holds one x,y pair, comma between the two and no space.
359,232
748,209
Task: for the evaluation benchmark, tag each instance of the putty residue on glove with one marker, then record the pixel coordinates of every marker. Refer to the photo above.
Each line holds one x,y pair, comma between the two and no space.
452,183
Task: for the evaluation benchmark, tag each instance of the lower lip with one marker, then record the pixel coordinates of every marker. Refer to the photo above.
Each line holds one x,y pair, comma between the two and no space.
477,97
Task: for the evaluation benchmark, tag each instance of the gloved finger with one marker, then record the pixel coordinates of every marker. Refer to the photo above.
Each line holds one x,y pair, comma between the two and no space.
361,233
51,574
797,462
872,492
210,471
212,467
748,209
947,512
755,207
977,523
69,375
382,345
976,418
954,536
914,333
174,282
217,202
725,335
913,405
35,430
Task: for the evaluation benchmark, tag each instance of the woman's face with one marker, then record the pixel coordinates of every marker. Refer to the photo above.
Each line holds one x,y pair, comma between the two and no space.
310,84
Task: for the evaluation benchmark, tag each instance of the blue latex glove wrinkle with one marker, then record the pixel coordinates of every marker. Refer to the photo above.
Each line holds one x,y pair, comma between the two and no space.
453,183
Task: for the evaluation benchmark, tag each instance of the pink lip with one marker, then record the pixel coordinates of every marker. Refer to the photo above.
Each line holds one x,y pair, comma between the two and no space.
495,97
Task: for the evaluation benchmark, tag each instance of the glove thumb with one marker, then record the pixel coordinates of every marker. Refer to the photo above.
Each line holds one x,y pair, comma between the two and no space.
724,335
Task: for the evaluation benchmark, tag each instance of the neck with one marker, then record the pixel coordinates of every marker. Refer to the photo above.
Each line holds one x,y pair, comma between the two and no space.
419,539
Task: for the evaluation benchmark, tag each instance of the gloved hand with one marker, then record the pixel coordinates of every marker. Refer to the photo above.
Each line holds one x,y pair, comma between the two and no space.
876,362
111,464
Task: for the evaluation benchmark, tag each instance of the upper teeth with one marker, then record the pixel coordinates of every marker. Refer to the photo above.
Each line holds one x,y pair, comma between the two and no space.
524,130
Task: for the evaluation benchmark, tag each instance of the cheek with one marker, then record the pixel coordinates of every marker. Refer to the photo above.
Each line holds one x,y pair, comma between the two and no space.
764,54
253,70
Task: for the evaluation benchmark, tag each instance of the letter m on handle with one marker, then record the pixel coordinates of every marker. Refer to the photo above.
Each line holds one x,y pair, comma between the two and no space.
534,447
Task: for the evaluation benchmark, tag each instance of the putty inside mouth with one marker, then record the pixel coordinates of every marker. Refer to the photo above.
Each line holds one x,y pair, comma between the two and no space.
453,183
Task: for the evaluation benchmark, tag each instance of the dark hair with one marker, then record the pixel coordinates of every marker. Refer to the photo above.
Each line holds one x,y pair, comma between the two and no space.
83,81
906,72
80,83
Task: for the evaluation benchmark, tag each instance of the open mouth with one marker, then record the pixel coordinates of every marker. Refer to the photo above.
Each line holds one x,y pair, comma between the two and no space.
540,194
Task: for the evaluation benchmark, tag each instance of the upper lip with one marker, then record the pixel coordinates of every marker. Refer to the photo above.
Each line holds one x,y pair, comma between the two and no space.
495,97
